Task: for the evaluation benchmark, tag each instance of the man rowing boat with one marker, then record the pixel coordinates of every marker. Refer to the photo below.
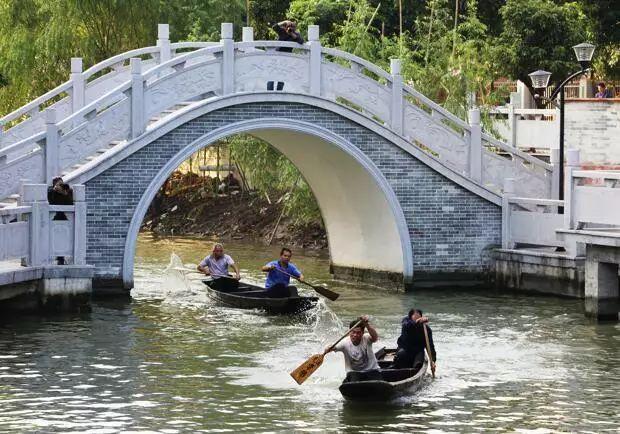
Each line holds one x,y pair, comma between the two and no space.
360,361
278,276
412,342
216,265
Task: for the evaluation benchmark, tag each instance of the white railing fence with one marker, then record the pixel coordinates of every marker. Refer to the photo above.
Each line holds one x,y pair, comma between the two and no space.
124,111
37,232
84,87
591,198
527,128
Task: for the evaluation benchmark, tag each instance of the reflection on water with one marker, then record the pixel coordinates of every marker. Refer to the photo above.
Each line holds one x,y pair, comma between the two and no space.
169,361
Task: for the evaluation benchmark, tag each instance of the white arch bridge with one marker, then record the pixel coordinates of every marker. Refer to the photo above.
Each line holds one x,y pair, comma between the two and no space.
407,190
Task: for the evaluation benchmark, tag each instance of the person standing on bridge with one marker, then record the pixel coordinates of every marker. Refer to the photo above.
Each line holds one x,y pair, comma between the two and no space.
216,265
287,32
278,279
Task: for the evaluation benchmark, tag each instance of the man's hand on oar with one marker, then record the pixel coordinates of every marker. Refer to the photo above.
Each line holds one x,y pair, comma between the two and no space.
320,289
307,368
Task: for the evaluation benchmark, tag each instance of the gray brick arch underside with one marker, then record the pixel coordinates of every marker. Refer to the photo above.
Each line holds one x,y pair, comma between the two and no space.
451,228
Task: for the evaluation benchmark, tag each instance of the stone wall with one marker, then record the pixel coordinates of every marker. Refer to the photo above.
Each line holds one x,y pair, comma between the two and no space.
451,228
593,127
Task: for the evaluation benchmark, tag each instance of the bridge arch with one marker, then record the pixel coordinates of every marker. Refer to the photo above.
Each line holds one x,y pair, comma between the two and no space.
365,223
451,222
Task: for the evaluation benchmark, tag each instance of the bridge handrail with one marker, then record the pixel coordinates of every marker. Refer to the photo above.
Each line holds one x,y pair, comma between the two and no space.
180,59
436,107
98,67
111,95
15,210
22,143
353,58
122,57
597,174
515,151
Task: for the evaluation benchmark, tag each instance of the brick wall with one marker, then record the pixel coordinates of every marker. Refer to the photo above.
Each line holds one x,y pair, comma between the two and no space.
593,127
451,228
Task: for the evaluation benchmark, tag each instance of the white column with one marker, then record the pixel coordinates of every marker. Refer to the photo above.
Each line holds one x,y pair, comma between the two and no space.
397,97
572,164
163,42
315,60
475,145
509,191
35,195
51,146
247,35
1,134
512,124
137,98
77,83
555,173
79,225
228,59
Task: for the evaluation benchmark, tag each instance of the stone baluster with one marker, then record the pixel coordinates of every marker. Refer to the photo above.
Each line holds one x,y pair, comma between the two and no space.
51,146
35,195
512,125
228,59
572,164
509,191
77,84
397,97
137,98
555,173
315,60
2,133
163,42
79,225
475,145
247,35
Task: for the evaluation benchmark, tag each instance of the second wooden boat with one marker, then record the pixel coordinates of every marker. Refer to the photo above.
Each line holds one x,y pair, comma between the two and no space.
249,296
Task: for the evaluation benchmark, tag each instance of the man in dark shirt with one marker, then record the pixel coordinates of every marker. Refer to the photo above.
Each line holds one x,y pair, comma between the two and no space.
412,342
60,194
287,32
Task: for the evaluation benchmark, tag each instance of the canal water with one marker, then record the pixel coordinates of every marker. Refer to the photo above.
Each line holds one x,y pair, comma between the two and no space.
169,361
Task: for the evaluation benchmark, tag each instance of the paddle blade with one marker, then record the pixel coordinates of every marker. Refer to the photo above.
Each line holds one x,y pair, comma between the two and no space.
326,292
307,368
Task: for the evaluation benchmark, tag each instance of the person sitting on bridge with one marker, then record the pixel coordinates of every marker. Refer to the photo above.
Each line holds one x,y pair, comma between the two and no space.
360,361
216,265
278,279
412,342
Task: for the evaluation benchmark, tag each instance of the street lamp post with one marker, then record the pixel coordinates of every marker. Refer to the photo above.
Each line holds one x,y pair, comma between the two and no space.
540,80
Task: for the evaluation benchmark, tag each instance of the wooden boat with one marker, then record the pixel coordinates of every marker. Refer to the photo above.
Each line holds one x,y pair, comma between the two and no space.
395,382
248,296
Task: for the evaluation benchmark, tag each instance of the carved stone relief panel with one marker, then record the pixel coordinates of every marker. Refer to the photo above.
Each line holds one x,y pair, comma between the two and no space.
28,167
61,237
528,182
253,71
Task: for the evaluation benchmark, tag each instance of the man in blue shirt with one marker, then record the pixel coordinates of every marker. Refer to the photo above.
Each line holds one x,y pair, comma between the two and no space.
277,282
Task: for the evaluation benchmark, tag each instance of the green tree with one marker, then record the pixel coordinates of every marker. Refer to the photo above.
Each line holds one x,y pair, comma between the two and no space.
539,34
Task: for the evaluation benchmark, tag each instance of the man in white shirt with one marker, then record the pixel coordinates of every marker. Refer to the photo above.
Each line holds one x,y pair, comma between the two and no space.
359,358
216,265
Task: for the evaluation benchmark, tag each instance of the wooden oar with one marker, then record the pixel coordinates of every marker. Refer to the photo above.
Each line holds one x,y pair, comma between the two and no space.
188,270
320,289
428,350
307,368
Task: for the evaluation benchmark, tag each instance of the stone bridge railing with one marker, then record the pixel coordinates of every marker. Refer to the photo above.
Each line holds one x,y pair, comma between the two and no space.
217,71
592,201
84,87
31,232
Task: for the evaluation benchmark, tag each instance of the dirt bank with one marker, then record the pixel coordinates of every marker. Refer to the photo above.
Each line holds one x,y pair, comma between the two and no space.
193,210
